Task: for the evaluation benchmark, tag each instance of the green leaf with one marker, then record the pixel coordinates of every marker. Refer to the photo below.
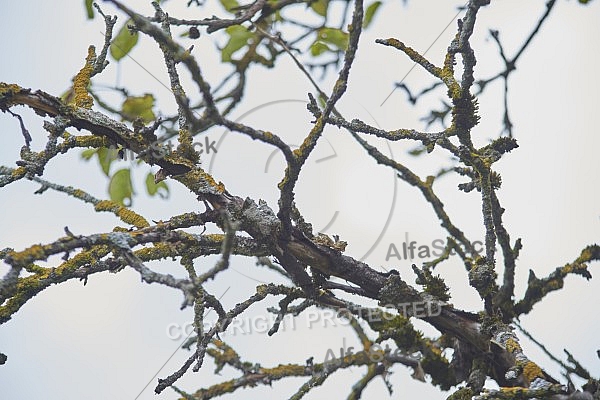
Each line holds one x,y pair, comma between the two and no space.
334,36
87,154
318,48
238,38
105,158
229,4
322,101
138,106
370,13
417,151
68,96
89,8
320,7
120,187
155,188
123,42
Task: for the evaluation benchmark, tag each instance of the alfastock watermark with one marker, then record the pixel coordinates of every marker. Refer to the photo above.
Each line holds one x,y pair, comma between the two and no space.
411,249
159,150
375,353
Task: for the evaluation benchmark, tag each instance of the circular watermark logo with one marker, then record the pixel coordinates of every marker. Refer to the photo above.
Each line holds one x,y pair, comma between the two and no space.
339,191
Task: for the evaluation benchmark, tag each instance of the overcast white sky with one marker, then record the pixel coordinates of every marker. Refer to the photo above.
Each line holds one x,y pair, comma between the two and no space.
109,338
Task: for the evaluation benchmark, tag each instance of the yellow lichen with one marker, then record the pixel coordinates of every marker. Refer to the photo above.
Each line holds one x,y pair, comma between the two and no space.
218,389
435,350
35,252
447,76
125,214
82,81
19,172
462,394
283,182
106,205
31,285
512,390
262,290
567,269
555,284
283,370
587,254
215,237
208,178
10,88
89,141
531,371
512,346
84,258
186,147
229,354
132,218
7,90
159,251
197,180
79,194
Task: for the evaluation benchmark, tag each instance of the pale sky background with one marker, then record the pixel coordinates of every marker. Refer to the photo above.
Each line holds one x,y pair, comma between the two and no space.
109,338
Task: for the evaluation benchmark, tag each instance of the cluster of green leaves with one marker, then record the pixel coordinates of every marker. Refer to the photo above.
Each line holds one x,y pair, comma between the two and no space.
331,40
325,39
120,187
239,37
